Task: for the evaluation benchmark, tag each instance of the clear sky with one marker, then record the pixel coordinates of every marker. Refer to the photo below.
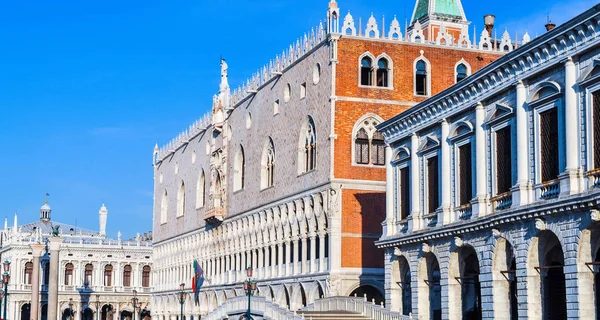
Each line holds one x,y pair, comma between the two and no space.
88,87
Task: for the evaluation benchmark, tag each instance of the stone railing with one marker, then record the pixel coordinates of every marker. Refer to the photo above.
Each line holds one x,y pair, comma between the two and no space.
356,305
502,201
27,239
548,190
260,306
594,177
464,211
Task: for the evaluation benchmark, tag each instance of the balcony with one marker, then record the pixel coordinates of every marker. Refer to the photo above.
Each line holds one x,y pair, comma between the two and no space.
464,211
502,201
214,215
548,190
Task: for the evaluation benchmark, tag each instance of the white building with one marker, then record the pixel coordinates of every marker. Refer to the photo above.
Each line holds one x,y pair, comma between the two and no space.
96,273
493,200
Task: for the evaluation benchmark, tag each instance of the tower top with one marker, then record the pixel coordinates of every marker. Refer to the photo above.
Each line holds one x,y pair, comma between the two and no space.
45,211
444,10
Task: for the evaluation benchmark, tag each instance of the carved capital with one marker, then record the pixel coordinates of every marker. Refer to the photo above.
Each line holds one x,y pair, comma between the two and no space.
595,214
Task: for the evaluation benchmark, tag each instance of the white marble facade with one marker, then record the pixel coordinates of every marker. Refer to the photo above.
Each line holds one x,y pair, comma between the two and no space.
492,202
114,267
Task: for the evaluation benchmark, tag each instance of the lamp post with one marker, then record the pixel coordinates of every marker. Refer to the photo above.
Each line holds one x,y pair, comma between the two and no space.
134,301
249,287
70,308
1,295
97,307
181,299
6,279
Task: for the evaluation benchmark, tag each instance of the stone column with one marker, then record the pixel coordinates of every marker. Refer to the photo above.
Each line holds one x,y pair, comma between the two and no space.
415,201
313,251
280,258
303,254
54,244
296,264
570,180
446,186
480,204
273,260
261,263
288,257
37,250
522,191
322,250
390,220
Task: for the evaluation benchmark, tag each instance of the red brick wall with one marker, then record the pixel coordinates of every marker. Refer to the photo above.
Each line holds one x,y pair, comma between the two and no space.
362,214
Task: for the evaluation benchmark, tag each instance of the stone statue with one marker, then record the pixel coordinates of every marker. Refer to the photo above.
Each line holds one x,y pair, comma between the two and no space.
119,235
55,232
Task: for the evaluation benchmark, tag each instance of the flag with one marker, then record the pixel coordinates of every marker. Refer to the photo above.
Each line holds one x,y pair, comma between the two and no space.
197,281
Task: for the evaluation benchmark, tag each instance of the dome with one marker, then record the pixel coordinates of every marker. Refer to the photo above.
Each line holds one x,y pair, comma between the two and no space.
45,211
45,207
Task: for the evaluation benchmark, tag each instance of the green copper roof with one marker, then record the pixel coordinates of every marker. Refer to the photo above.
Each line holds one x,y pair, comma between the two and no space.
440,7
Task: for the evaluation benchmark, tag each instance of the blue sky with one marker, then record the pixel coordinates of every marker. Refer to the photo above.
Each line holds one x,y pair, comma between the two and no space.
88,87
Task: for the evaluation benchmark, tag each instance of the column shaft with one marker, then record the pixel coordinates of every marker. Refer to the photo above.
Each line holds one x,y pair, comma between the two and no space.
54,244
445,187
37,250
414,183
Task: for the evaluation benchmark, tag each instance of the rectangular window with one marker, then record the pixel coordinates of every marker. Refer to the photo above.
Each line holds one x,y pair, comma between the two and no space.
404,193
421,85
378,154
596,126
432,184
382,77
464,174
549,144
503,160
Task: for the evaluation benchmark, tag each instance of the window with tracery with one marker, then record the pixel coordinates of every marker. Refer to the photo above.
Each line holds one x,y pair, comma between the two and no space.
366,71
268,165
369,145
382,73
308,147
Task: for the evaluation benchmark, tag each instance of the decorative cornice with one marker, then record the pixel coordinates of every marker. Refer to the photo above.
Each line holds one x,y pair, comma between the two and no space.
552,47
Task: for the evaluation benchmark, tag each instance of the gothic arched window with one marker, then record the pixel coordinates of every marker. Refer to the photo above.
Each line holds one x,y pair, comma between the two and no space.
181,200
461,72
421,81
307,155
200,191
238,171
369,146
366,71
146,276
382,73
108,269
69,274
268,165
164,207
127,276
28,272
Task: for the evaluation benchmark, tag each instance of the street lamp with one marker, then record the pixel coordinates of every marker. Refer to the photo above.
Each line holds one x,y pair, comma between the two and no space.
1,295
249,287
6,279
97,306
70,308
134,301
181,299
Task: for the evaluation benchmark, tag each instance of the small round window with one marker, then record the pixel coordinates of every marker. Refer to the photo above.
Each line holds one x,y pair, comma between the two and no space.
248,120
287,93
316,73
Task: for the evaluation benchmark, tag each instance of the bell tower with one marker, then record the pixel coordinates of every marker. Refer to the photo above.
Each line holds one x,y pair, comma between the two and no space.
433,16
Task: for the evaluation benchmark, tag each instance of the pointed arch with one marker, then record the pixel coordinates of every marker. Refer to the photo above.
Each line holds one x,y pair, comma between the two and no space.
268,164
422,76
366,64
369,146
164,207
307,147
200,189
181,200
384,71
239,168
462,69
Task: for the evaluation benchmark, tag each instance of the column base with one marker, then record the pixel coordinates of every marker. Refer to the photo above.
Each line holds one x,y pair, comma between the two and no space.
570,182
480,206
522,194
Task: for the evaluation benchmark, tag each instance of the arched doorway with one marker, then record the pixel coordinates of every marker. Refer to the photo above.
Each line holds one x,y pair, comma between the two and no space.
106,313
429,288
44,312
553,278
67,314
26,311
126,315
470,286
88,314
370,291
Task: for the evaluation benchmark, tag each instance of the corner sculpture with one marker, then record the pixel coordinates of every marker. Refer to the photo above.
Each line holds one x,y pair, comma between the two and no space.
55,232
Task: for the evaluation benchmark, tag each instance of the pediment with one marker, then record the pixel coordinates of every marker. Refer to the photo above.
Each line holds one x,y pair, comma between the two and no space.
500,111
590,71
429,143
